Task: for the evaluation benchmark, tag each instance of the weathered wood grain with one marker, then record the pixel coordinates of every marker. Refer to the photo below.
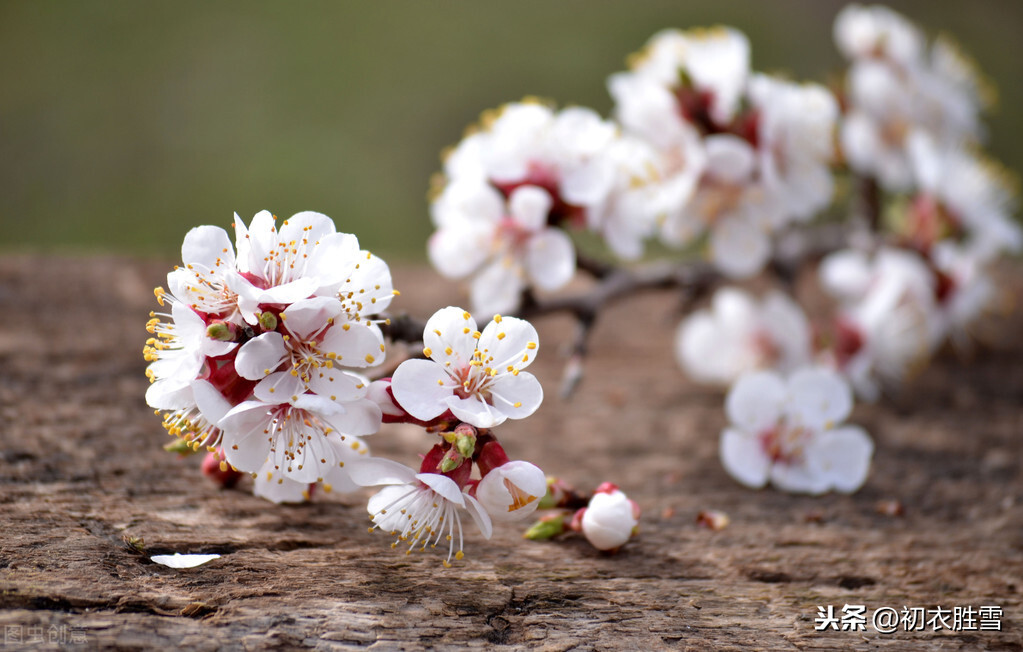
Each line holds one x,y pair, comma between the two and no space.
82,466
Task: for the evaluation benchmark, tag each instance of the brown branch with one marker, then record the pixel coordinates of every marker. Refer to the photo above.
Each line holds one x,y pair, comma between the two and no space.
793,249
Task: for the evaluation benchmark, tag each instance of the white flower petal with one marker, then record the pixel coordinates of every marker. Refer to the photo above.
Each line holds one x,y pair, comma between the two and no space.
739,248
169,394
510,342
278,489
373,471
444,486
843,457
278,387
450,328
459,250
799,478
245,444
756,401
516,396
307,317
260,356
354,344
209,247
177,560
819,398
744,458
479,516
550,259
421,388
332,260
730,159
210,402
498,288
476,411
529,206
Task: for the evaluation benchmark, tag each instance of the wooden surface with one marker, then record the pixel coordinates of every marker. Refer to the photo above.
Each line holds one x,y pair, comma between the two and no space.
82,466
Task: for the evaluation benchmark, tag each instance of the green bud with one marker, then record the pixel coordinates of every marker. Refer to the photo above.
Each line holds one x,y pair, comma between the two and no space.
268,321
452,460
466,444
547,527
219,330
179,446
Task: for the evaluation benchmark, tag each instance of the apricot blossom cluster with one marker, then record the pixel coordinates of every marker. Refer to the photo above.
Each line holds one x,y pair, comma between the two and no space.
261,359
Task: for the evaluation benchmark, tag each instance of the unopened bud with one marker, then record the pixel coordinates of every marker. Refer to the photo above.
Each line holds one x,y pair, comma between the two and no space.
610,520
222,330
547,527
267,321
465,444
451,461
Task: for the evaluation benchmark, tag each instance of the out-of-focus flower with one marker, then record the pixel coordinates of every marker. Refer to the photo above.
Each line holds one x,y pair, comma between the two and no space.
961,199
737,334
505,246
741,155
887,313
787,432
895,88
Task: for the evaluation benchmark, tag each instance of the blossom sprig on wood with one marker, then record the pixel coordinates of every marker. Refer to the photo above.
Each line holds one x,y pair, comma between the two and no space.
261,361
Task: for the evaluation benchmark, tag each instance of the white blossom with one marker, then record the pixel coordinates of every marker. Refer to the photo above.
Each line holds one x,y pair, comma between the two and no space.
478,376
504,247
889,300
307,352
737,334
741,155
422,509
895,87
177,353
511,492
787,432
305,438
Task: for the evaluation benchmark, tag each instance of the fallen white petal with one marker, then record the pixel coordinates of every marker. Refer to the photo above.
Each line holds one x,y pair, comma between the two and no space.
177,560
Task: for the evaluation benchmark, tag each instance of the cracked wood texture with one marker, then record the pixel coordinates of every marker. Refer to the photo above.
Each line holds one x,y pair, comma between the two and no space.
83,466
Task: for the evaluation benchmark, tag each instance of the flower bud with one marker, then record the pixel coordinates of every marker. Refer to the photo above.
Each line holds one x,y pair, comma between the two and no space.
511,491
267,321
465,439
451,461
222,330
609,520
547,527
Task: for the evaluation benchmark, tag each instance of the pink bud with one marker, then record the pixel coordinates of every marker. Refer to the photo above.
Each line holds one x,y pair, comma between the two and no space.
216,468
492,456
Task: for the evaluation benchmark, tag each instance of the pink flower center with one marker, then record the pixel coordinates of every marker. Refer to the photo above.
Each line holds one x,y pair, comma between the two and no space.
784,445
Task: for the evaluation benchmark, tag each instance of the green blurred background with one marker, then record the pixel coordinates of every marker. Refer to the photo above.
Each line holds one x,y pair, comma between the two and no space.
123,124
